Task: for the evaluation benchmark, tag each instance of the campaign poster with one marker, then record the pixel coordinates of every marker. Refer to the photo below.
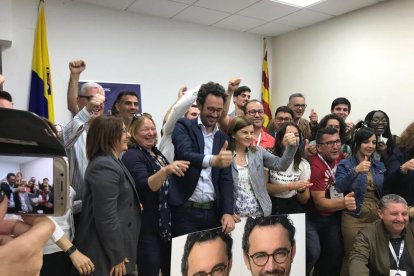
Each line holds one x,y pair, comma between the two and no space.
112,89
238,266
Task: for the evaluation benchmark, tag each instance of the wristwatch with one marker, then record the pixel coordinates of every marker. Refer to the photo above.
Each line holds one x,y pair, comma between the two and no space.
70,250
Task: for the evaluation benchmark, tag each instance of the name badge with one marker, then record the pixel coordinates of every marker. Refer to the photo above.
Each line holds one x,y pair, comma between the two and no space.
394,272
335,194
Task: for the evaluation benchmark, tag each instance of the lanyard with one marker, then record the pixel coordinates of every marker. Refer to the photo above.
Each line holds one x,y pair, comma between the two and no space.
329,168
397,258
259,138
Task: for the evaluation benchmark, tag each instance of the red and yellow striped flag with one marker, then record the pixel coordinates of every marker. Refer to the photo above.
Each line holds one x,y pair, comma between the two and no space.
265,88
41,96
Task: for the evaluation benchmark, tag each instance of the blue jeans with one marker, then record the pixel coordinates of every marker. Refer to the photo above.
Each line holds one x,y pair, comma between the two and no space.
324,246
187,220
153,254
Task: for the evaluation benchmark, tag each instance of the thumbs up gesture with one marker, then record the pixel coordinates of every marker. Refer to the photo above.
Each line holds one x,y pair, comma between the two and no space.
363,166
223,159
291,139
349,202
313,117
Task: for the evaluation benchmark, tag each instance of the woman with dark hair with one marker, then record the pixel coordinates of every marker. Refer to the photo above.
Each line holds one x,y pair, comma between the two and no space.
249,162
400,169
111,214
289,189
336,122
364,176
380,122
151,172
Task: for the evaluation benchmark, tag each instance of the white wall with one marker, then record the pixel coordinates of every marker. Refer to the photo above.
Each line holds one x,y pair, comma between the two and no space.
366,56
160,54
39,168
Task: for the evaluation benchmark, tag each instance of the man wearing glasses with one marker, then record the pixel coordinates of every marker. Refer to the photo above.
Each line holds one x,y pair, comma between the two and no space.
269,245
207,253
298,105
323,221
283,115
254,111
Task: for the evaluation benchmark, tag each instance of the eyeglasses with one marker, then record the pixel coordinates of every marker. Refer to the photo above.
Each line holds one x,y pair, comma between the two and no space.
261,258
254,111
283,119
377,121
303,106
140,115
88,98
124,130
218,270
332,143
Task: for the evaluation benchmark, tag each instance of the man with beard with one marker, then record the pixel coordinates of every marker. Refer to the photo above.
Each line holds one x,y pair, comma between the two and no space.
240,97
125,106
203,197
269,245
254,111
386,247
207,252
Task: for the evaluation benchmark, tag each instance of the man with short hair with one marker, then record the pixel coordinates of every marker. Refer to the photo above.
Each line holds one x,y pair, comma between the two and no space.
9,187
240,97
386,247
283,115
91,100
207,252
269,245
203,197
125,106
342,107
323,221
254,111
6,100
298,105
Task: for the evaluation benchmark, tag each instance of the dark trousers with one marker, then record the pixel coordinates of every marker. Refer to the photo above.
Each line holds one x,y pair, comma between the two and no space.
56,264
187,220
324,246
153,254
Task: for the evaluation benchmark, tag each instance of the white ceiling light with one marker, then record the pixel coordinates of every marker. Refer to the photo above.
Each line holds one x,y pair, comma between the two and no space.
298,3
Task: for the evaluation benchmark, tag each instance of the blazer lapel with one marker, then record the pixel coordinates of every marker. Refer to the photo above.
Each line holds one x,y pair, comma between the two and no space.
129,177
199,135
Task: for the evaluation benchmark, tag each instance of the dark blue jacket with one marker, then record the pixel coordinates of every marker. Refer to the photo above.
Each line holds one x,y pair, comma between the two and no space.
346,180
397,182
188,143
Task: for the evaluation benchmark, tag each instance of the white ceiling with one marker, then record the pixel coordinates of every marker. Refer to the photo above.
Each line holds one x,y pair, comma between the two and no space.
262,17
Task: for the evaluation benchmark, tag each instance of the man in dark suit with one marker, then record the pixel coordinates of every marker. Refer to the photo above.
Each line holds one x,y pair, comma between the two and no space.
203,197
8,186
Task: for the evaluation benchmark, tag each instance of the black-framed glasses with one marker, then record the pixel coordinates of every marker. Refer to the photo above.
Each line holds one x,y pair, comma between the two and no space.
218,270
88,98
283,119
332,143
377,121
261,258
254,111
303,106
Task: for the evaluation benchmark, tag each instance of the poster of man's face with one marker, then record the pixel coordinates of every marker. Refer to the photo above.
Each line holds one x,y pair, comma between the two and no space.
273,245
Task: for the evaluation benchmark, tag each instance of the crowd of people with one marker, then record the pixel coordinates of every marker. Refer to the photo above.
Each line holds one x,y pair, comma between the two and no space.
354,180
28,197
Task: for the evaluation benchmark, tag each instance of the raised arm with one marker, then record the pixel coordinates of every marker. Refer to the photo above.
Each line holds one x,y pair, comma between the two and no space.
76,67
224,118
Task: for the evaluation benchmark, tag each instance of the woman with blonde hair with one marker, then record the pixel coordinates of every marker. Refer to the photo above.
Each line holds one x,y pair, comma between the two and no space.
151,172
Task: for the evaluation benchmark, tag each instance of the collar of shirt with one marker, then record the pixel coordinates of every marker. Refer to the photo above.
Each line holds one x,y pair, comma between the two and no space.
204,129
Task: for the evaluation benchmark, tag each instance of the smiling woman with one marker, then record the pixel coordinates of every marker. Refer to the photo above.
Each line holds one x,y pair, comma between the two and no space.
364,176
151,172
111,217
